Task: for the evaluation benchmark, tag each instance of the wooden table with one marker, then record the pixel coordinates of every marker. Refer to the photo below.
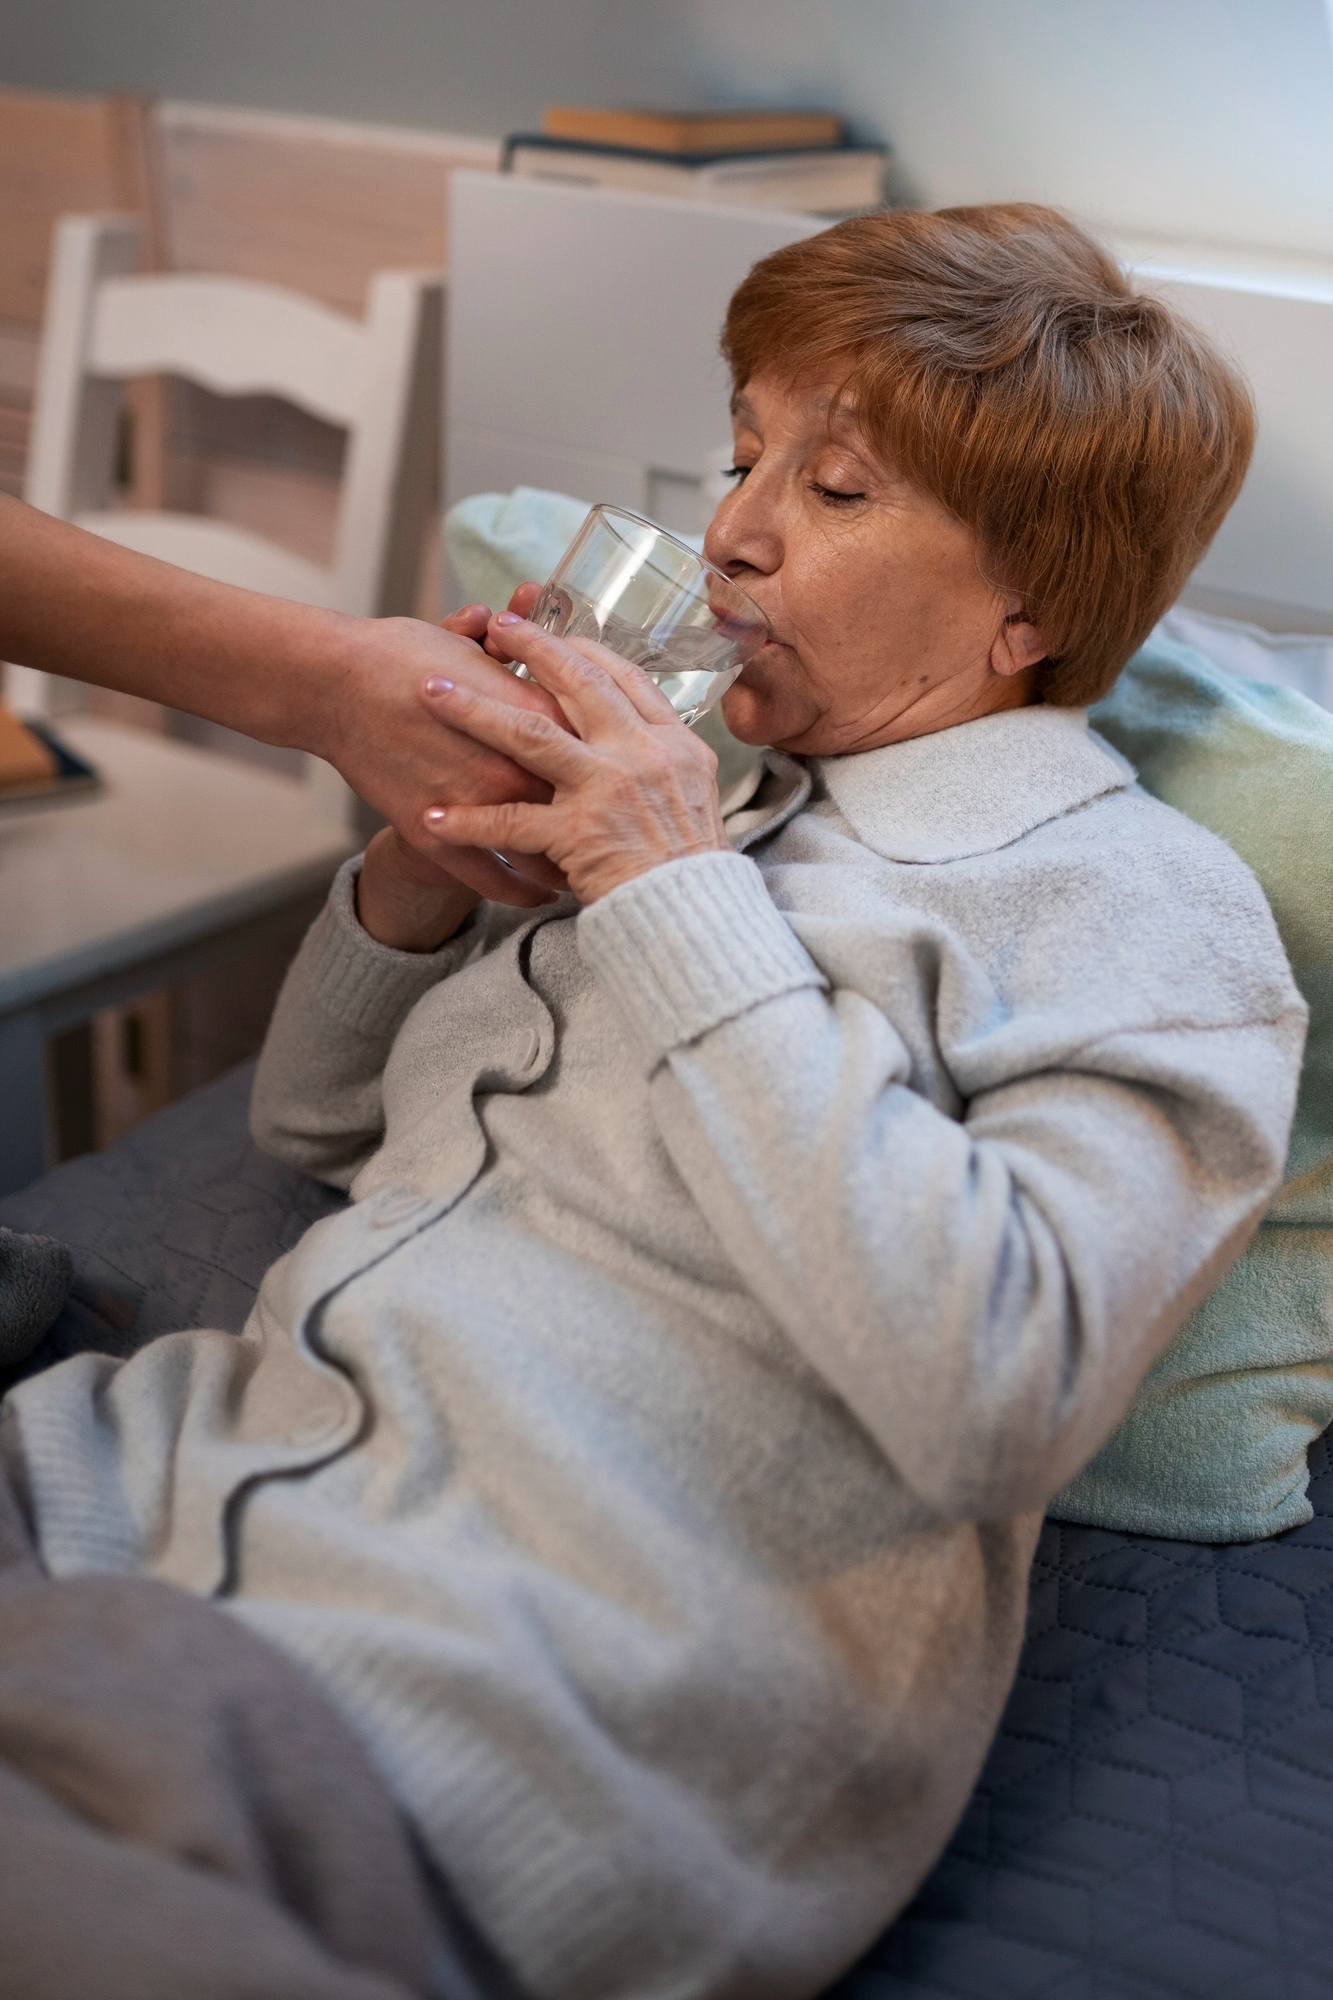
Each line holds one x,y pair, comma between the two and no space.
183,859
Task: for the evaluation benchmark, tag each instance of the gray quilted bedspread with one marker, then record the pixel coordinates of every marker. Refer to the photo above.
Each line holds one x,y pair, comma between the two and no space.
1156,1816
173,1226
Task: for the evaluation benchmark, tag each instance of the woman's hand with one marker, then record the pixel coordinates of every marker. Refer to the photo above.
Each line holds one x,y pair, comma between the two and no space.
386,757
631,787
407,902
526,880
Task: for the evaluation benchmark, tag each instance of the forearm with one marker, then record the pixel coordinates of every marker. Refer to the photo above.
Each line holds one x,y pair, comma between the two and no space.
74,604
345,689
317,1100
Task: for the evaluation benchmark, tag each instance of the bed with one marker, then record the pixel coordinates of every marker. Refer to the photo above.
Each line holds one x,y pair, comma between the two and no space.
1156,1815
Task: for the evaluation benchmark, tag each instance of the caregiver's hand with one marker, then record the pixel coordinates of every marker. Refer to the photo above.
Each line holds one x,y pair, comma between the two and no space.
631,787
390,762
346,689
474,621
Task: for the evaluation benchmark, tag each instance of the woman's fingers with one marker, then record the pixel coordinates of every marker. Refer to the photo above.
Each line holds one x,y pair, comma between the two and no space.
521,604
628,793
597,690
469,623
523,829
638,687
534,741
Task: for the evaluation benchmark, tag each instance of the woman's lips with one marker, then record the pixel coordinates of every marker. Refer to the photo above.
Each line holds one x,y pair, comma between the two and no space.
767,656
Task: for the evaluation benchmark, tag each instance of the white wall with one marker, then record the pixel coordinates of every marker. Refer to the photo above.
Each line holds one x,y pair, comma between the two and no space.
1197,118
1209,120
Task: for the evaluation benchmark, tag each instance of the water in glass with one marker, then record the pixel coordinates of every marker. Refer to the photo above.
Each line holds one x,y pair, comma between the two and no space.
693,667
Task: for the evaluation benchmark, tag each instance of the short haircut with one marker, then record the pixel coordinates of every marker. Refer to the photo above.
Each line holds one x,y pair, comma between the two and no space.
1090,437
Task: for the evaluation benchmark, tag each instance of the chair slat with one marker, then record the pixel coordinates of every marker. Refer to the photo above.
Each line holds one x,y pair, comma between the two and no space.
234,336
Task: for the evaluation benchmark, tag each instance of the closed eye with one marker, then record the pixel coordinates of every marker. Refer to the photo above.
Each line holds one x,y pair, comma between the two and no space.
832,494
736,471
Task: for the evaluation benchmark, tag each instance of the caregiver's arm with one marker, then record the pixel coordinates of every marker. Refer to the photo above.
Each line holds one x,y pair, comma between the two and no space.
345,689
985,1294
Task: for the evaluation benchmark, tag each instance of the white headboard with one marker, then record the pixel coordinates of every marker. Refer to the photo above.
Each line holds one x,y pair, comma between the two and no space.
1272,561
582,340
582,355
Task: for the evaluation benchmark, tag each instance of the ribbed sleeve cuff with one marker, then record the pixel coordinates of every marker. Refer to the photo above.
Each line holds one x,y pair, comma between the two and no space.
692,944
365,985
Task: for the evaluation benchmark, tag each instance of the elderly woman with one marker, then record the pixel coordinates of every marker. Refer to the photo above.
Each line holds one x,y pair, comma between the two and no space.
746,1244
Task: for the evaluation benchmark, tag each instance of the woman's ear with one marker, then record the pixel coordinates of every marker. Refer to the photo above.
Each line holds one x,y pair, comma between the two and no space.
1018,645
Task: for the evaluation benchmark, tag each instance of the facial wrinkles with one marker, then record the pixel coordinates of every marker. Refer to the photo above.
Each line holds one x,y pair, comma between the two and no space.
884,619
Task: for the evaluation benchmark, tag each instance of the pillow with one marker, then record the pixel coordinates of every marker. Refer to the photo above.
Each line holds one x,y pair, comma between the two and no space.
1291,659
1214,1445
496,541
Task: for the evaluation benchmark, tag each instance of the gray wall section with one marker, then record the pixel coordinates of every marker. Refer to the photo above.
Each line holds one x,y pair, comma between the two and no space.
1204,118
465,65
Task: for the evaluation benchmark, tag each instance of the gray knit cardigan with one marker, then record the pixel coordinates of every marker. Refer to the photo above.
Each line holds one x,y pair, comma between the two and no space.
649,1461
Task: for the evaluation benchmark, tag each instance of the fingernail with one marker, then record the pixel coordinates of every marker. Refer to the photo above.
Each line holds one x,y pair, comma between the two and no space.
507,618
435,685
434,814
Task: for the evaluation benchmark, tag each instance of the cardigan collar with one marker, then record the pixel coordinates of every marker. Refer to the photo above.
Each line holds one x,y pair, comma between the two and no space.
972,788
960,792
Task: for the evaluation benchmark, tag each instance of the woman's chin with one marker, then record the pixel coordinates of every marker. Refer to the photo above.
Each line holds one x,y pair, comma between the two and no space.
754,708
743,712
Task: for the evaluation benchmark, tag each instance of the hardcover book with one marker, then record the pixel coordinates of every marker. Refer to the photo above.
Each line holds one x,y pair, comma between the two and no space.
693,134
832,182
36,766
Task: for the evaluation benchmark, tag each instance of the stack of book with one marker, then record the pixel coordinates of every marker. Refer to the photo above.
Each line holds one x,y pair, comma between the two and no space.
799,161
35,765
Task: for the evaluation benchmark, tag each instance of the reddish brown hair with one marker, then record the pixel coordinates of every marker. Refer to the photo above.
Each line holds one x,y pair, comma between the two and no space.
1090,438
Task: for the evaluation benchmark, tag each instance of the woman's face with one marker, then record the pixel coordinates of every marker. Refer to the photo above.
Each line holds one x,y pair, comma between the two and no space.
883,625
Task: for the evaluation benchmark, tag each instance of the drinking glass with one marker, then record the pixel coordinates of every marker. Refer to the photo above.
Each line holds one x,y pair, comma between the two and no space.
633,587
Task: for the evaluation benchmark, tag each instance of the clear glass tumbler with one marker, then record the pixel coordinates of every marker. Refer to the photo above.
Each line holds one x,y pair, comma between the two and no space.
635,588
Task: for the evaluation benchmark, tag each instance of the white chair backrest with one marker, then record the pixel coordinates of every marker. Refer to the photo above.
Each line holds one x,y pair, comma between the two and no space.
377,378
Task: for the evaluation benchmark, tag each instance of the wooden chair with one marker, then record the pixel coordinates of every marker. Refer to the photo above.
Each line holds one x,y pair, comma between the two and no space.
60,154
148,929
318,205
377,378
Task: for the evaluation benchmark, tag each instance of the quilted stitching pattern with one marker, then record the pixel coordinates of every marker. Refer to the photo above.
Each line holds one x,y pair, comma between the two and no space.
1155,1820
1156,1815
172,1226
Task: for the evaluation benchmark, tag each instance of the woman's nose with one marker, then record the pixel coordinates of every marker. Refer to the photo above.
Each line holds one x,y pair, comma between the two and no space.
740,536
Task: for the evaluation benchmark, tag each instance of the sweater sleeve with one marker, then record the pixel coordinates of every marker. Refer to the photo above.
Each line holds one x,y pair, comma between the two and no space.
316,1101
984,1292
